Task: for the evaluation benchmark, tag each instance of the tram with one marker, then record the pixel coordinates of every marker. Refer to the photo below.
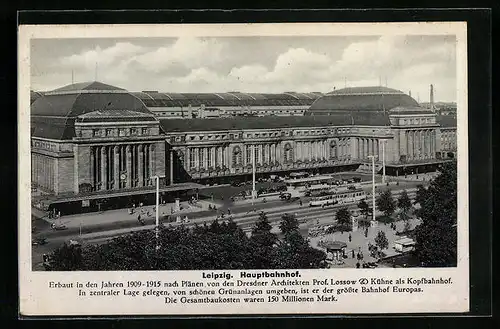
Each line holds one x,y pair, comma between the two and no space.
338,197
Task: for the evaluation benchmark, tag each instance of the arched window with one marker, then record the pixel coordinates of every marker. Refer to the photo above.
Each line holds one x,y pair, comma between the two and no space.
288,154
333,150
237,156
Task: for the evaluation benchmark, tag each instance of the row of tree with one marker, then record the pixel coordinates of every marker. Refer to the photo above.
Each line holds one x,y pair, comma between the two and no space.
385,202
220,245
436,236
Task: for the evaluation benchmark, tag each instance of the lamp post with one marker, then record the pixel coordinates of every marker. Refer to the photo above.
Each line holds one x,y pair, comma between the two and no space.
373,186
383,160
157,214
253,174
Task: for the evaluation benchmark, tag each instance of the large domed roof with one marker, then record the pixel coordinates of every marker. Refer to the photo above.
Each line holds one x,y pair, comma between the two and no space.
53,113
361,99
81,98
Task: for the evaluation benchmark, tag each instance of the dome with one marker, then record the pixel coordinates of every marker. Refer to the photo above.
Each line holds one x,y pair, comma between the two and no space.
54,113
81,98
361,99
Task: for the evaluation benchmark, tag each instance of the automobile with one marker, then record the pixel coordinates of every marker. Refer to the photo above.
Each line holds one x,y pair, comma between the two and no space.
39,241
356,179
58,227
285,196
351,187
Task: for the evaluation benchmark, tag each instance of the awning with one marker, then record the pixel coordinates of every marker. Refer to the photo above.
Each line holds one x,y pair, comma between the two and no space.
111,194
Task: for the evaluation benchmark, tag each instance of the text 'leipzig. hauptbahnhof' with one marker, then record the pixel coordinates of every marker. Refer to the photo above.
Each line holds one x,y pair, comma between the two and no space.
93,141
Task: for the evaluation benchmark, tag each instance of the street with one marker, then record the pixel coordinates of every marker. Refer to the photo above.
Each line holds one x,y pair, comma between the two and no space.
100,227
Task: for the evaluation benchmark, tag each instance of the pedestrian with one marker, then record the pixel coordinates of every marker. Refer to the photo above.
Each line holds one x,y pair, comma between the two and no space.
353,253
350,237
300,203
228,211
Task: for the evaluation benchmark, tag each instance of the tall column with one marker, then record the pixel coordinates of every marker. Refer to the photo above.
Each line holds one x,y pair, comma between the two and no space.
92,166
215,153
426,143
360,148
140,149
151,163
410,144
429,144
116,170
421,148
433,144
104,181
128,152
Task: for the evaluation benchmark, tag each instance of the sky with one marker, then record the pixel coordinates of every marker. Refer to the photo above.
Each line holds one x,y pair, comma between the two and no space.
251,64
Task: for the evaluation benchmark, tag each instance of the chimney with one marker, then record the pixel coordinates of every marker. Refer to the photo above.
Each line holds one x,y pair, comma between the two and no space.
409,93
432,97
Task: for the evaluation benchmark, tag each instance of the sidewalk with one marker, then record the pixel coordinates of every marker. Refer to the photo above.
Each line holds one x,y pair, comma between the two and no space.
359,242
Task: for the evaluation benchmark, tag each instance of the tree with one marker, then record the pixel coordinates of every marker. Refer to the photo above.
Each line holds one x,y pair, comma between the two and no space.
421,195
343,218
364,208
217,246
404,202
436,236
385,203
381,240
262,243
66,258
288,224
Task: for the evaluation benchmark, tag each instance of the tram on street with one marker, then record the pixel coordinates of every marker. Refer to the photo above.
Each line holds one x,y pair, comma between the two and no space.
299,186
338,197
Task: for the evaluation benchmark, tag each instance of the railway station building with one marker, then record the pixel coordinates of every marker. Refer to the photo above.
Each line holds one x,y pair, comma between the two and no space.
93,139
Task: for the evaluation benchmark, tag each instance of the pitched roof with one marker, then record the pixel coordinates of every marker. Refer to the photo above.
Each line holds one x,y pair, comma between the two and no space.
76,104
362,98
240,123
447,121
158,99
53,114
91,85
53,128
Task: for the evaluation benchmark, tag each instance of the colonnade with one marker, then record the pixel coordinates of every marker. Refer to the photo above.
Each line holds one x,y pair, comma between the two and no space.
207,157
121,166
420,144
367,147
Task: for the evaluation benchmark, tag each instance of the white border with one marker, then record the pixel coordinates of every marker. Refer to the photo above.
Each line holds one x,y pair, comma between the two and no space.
36,299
